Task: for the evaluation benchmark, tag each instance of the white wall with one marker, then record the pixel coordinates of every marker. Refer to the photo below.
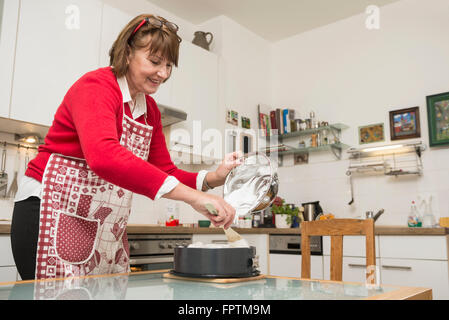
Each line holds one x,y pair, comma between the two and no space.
349,74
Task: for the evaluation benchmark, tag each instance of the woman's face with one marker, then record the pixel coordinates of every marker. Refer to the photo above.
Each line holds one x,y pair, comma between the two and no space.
146,71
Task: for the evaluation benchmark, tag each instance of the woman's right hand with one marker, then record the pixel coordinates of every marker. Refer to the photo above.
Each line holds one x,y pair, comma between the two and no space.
225,212
198,200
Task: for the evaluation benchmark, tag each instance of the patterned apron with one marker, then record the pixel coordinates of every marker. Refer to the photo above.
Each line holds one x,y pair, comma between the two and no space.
83,218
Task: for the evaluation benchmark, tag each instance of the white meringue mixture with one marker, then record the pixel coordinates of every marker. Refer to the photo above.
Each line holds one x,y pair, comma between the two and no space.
242,243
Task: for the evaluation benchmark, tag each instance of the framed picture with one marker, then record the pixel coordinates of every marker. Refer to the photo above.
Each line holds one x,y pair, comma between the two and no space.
232,117
404,124
246,123
371,133
301,158
438,118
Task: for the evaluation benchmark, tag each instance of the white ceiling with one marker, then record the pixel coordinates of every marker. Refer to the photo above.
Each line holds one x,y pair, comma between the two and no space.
273,20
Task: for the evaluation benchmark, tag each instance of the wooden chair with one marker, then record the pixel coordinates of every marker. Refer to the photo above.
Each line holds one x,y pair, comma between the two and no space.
336,229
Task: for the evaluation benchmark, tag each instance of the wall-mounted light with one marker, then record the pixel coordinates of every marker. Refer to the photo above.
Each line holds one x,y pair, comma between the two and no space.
417,147
30,138
382,148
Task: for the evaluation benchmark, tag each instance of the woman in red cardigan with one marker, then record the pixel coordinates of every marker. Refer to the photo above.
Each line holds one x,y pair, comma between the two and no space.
105,143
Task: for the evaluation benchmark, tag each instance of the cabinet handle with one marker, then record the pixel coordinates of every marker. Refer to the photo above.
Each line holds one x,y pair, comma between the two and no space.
183,144
354,265
398,268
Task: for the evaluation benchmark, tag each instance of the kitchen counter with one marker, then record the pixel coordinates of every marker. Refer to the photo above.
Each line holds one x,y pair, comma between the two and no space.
5,228
150,285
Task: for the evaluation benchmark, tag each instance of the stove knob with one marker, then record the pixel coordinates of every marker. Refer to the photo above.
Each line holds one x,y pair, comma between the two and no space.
170,245
162,245
185,244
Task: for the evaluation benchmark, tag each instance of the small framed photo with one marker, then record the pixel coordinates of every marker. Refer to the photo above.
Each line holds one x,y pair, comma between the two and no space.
246,123
232,117
404,124
301,158
371,133
438,118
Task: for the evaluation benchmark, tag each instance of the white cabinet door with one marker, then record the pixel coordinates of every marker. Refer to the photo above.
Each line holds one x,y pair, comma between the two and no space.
195,91
58,41
289,265
8,270
354,269
8,274
414,247
8,28
353,246
6,258
417,273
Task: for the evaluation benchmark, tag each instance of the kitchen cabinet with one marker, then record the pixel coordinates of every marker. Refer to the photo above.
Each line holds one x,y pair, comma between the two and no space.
417,260
353,246
260,241
8,271
289,265
401,260
9,16
354,269
194,89
57,42
417,272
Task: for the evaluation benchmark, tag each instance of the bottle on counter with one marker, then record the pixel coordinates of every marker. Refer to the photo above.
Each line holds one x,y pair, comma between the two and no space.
414,219
428,219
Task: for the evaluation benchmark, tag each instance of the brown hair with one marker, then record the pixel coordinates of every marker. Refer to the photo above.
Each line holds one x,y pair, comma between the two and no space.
163,40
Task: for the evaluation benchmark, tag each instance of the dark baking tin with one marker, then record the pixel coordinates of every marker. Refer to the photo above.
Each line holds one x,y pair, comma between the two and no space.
215,262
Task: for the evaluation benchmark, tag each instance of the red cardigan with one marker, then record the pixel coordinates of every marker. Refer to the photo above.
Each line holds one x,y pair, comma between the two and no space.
88,125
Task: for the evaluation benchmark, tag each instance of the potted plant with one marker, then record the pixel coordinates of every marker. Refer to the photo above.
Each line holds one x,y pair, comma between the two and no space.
285,213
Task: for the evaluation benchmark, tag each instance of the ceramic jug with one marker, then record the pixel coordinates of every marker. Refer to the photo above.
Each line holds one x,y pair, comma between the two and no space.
200,39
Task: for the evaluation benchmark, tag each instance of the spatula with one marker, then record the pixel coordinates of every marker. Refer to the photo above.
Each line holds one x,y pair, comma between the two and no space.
230,233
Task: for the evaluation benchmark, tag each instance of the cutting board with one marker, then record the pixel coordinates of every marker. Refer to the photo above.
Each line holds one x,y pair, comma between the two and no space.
213,280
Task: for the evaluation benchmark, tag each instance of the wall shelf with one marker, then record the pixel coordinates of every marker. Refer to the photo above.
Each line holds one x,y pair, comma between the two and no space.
283,147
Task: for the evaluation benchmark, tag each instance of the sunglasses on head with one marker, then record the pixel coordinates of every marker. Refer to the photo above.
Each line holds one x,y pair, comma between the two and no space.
155,22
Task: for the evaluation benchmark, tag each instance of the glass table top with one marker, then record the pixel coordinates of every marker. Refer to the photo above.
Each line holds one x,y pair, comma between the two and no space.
152,286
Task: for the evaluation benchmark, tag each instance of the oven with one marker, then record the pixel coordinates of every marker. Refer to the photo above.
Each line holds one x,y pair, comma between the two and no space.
285,255
154,251
291,244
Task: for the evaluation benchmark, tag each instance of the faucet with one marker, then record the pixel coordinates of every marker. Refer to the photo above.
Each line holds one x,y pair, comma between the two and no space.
370,215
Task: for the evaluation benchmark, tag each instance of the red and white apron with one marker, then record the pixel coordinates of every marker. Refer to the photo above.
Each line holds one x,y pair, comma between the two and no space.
83,218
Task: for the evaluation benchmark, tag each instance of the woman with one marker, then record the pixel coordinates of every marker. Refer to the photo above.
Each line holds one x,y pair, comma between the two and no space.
105,143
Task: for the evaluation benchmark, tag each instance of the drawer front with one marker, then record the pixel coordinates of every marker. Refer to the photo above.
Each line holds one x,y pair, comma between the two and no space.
414,247
353,246
354,269
417,273
289,265
8,274
6,258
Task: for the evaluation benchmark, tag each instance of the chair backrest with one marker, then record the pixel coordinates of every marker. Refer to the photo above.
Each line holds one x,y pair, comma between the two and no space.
336,229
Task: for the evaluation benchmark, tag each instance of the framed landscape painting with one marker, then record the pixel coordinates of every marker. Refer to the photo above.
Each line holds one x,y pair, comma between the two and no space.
438,118
404,124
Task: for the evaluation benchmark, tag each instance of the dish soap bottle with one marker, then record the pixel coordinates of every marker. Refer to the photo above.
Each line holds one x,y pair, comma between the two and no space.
414,220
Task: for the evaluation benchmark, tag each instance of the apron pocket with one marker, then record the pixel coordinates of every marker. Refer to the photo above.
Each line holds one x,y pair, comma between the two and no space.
75,238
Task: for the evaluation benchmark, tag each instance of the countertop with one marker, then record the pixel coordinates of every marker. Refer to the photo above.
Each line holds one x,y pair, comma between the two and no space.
151,285
5,228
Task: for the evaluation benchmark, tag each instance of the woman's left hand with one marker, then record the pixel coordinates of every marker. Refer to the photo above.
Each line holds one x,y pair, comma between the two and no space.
230,161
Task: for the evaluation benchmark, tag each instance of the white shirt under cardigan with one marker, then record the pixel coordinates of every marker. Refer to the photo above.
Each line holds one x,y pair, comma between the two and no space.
31,187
